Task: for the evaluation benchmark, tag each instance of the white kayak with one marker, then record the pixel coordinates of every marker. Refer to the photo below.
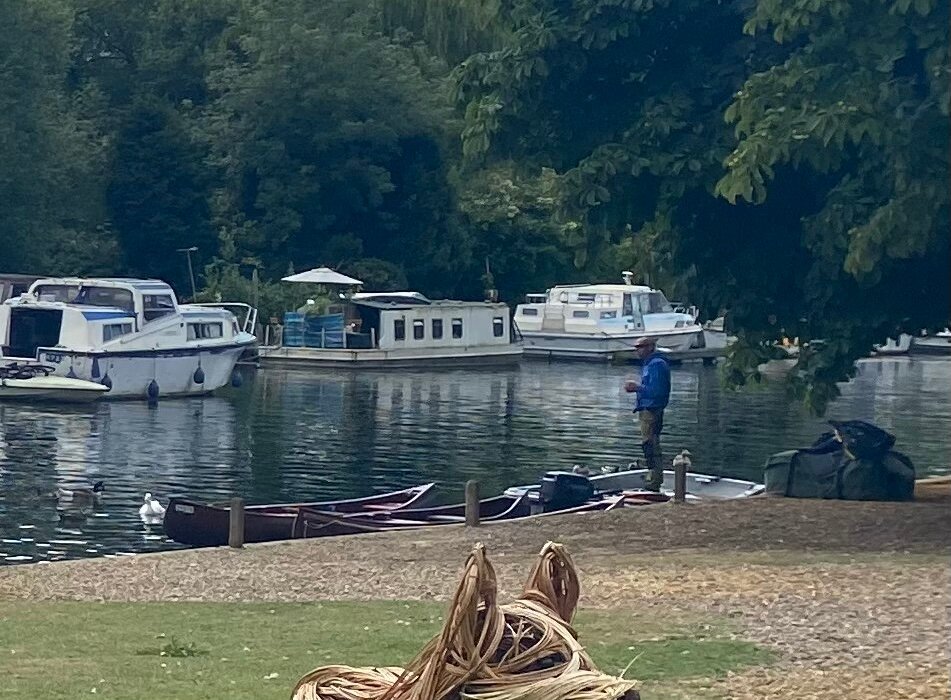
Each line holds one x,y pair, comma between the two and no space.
50,388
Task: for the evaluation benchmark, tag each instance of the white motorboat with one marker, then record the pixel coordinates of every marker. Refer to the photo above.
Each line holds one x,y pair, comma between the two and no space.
129,335
937,344
37,383
892,346
599,321
699,486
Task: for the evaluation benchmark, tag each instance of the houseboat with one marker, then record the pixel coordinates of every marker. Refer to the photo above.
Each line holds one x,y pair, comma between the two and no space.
602,321
129,335
395,329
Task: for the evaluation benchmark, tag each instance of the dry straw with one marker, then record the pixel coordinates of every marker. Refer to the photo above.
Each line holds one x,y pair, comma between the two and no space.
525,650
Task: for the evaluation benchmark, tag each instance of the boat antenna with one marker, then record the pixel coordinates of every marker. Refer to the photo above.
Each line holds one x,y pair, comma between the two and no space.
191,273
628,277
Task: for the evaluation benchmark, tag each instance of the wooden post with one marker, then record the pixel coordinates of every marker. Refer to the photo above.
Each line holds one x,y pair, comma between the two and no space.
236,525
472,503
680,482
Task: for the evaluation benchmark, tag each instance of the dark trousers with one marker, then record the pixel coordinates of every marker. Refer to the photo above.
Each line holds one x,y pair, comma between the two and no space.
652,424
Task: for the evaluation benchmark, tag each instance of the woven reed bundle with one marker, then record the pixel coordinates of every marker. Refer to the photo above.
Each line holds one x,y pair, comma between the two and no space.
525,650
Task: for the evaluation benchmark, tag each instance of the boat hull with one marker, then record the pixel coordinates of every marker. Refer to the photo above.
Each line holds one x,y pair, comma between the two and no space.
932,345
375,358
207,525
52,388
131,372
901,346
699,486
602,347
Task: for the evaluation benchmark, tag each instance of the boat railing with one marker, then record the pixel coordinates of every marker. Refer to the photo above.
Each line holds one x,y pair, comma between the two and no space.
240,310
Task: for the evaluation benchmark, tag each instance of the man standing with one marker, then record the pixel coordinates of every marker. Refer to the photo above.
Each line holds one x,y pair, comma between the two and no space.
653,394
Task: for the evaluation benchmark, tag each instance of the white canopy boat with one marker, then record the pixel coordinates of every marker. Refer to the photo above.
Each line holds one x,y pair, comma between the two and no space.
599,321
37,383
130,335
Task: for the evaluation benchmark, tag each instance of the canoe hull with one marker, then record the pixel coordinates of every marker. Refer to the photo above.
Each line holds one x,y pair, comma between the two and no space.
206,525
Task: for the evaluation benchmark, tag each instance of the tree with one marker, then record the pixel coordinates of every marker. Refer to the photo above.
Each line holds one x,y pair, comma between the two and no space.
50,149
858,109
665,125
328,137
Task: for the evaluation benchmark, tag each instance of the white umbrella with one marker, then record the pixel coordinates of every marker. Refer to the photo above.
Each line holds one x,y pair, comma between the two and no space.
321,275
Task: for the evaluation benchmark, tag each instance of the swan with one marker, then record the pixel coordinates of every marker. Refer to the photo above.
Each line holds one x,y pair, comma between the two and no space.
151,507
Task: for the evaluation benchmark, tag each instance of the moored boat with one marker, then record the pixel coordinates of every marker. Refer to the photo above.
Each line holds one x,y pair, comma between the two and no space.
699,486
937,344
601,321
316,523
129,335
206,524
35,383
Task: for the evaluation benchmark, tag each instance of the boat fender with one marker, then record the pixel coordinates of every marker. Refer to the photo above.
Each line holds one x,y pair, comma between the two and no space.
199,376
152,391
107,382
236,380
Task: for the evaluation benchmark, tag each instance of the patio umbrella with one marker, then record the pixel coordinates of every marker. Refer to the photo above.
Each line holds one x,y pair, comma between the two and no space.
322,275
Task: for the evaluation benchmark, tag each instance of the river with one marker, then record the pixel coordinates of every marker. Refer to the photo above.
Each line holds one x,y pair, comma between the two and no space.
297,436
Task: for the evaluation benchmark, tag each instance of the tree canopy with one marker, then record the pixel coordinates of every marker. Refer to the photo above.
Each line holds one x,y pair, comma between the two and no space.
784,162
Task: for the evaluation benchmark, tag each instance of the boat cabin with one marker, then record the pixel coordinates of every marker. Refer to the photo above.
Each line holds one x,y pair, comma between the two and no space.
598,308
89,314
400,320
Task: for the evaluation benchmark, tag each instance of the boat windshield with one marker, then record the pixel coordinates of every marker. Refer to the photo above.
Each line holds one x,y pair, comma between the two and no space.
654,303
105,296
56,292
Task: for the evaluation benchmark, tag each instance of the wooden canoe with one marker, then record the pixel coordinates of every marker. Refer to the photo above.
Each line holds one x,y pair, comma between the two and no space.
316,523
206,524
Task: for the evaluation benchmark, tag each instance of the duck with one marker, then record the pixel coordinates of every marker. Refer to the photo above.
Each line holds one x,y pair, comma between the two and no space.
80,495
580,469
636,464
683,460
610,469
151,507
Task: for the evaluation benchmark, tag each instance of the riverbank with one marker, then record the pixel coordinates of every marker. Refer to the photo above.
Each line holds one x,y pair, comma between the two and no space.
849,598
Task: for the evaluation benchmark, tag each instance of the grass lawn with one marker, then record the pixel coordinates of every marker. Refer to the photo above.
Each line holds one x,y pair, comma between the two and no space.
178,651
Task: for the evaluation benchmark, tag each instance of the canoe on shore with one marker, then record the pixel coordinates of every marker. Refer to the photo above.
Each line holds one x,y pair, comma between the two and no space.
316,523
206,524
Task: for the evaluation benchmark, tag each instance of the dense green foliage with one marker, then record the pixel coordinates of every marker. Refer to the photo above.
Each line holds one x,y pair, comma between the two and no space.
782,161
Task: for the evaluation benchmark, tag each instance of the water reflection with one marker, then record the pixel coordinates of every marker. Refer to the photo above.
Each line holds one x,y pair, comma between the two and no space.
305,435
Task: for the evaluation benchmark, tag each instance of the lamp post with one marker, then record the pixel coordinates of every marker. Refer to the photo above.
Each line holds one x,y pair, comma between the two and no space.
191,274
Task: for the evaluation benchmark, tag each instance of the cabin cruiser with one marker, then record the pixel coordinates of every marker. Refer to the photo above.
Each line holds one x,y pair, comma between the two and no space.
599,321
130,335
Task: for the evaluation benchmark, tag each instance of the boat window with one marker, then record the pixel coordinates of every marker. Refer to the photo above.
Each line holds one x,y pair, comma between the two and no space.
529,312
204,331
457,328
399,329
609,314
628,308
585,298
115,330
105,296
57,292
579,314
654,303
498,326
157,305
437,328
419,329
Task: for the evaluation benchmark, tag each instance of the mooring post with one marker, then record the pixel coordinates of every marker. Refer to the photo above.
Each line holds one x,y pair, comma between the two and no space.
680,482
236,524
472,503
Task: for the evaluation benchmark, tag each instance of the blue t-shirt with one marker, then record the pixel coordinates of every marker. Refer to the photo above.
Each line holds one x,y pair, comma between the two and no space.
655,384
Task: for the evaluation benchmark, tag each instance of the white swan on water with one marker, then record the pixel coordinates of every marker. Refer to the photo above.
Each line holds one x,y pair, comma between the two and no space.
151,508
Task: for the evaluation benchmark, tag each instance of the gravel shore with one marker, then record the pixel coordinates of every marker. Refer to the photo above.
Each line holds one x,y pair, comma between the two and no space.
853,597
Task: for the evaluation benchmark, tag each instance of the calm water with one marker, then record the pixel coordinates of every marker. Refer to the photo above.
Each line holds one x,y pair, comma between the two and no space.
289,436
